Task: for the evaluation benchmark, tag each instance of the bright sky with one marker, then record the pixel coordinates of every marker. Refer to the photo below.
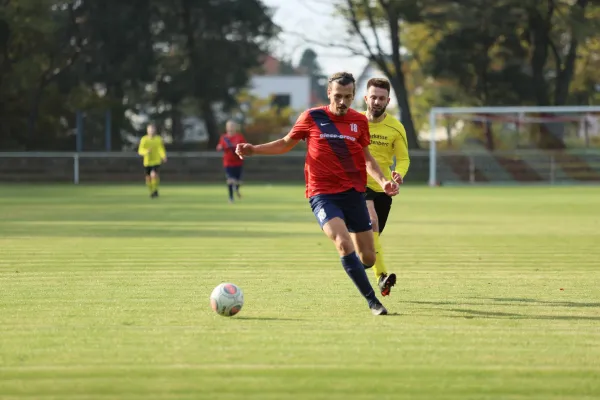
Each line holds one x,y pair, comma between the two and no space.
314,20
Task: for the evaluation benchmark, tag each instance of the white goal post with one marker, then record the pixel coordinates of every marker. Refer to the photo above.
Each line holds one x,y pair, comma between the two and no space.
436,112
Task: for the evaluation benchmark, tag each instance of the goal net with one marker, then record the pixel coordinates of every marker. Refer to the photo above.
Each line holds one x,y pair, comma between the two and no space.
514,145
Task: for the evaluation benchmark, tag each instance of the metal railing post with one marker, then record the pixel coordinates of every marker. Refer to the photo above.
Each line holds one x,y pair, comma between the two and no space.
76,168
552,169
471,170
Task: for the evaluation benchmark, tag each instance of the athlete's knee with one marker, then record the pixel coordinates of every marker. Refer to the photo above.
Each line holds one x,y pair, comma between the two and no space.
343,244
341,239
365,248
153,174
337,232
367,257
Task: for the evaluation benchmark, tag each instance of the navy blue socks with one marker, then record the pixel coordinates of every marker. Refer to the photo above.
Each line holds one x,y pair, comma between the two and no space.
356,271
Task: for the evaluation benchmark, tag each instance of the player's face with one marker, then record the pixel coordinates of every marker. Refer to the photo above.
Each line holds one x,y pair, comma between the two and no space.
377,100
230,127
340,97
151,130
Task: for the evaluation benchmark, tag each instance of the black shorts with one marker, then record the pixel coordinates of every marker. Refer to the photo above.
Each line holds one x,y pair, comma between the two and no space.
349,206
151,168
234,173
383,204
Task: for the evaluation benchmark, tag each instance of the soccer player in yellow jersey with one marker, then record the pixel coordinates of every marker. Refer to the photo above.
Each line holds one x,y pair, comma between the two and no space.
153,150
388,139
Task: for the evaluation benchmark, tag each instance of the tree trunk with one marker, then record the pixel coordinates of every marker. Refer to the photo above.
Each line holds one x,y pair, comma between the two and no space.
405,113
551,135
564,76
448,131
539,31
210,120
489,136
398,79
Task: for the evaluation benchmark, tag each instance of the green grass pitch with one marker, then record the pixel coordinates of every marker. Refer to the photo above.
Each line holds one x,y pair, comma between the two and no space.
104,294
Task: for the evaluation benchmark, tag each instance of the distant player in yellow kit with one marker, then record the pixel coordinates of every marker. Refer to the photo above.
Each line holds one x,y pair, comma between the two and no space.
388,139
153,150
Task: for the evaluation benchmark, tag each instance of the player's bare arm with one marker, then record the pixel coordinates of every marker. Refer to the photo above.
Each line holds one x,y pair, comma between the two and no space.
279,146
389,187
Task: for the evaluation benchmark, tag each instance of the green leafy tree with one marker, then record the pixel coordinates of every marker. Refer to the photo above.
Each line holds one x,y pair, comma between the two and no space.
309,63
526,52
39,44
261,120
223,42
377,27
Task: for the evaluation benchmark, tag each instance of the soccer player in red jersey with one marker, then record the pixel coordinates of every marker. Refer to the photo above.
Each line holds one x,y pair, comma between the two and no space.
231,161
336,167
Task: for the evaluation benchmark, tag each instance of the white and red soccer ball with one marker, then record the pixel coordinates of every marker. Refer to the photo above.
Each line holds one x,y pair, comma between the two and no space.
227,299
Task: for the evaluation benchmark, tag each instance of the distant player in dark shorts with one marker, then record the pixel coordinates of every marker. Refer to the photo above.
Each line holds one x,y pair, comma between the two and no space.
153,150
232,163
336,167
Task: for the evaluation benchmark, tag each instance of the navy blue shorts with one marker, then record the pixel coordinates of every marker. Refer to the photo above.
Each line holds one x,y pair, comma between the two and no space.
350,206
233,173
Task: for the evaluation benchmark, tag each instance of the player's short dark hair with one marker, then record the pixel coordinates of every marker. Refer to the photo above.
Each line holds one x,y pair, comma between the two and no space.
343,78
381,83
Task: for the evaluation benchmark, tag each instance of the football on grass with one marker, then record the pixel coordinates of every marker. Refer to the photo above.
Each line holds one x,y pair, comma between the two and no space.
227,299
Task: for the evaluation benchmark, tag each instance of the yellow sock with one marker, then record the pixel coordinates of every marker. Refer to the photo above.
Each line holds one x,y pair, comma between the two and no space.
379,267
154,182
149,185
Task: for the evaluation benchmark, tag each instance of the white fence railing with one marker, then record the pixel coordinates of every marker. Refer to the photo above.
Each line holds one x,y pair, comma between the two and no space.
451,166
550,167
519,111
76,158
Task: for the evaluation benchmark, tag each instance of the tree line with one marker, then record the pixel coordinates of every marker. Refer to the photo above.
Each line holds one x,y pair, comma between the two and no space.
479,52
154,56
185,57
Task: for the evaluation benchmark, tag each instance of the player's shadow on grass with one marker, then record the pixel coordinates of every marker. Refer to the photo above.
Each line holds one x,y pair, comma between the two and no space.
521,301
394,314
542,302
494,301
506,315
435,303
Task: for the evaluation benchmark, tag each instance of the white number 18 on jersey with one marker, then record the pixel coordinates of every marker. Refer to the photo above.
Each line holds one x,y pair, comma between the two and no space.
354,127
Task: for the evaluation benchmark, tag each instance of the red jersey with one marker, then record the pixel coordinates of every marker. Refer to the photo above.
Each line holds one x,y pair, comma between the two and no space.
335,160
228,143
